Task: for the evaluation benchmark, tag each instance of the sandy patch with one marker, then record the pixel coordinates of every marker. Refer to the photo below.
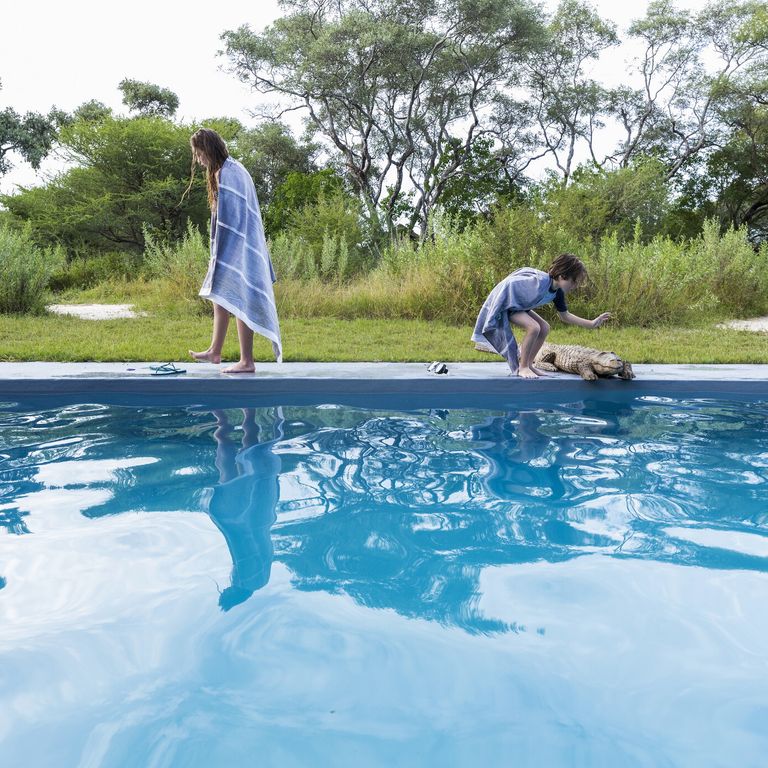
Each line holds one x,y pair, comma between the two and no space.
758,324
95,311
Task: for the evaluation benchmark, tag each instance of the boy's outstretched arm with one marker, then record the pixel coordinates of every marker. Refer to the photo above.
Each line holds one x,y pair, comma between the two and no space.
571,319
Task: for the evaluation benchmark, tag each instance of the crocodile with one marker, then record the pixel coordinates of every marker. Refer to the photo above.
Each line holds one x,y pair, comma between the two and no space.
587,362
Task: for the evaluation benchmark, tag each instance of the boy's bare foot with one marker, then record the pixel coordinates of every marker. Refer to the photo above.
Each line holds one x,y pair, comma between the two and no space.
240,367
527,373
205,357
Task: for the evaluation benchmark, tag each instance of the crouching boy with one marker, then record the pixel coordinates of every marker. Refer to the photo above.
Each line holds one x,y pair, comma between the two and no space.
512,302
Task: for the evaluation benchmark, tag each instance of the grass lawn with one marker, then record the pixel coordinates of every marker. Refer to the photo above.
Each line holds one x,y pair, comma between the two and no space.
57,338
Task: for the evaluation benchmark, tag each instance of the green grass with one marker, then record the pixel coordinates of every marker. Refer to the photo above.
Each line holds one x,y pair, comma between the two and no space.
55,338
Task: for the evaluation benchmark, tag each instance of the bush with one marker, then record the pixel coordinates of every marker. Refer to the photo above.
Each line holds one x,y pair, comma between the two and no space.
25,272
86,272
179,267
448,277
737,273
599,203
665,281
324,241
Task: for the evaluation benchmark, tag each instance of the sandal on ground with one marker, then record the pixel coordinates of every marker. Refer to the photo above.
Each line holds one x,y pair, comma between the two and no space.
166,369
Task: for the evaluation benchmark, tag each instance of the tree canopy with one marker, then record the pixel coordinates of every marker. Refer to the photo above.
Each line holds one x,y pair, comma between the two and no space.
30,135
404,94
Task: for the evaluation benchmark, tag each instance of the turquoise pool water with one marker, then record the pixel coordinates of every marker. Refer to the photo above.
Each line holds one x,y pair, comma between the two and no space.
573,585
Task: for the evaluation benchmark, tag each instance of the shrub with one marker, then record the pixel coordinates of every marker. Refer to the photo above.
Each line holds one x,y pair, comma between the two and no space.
325,240
180,267
86,272
25,272
449,276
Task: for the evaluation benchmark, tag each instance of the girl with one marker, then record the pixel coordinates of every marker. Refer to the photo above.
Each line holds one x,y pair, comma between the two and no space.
240,273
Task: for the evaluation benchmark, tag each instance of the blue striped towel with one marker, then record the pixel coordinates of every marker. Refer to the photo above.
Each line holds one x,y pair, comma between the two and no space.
524,289
240,273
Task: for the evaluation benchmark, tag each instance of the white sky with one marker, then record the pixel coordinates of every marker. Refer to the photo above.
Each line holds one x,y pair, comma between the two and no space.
68,52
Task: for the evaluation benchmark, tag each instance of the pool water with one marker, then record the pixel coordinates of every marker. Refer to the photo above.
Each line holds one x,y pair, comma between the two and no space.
574,585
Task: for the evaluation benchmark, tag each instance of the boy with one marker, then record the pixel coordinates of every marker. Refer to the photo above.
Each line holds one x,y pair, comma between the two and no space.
515,297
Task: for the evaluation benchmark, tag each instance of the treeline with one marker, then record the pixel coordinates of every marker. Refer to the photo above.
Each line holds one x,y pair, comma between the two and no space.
424,122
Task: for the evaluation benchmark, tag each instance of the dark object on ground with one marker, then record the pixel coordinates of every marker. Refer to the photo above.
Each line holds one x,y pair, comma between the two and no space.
437,367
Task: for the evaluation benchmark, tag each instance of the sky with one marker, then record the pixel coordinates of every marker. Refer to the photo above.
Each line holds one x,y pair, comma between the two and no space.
66,53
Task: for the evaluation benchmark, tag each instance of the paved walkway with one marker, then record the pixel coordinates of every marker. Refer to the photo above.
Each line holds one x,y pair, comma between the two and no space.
326,380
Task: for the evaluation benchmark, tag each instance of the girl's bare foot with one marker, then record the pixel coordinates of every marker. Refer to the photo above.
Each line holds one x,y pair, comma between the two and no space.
527,373
206,357
240,367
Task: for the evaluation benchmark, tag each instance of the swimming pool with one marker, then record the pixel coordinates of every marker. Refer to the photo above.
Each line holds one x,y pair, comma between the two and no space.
322,584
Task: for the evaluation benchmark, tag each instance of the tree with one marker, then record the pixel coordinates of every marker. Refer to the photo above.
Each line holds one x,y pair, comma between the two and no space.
600,202
298,191
271,154
30,135
130,174
92,111
674,114
392,84
480,182
148,99
566,104
736,176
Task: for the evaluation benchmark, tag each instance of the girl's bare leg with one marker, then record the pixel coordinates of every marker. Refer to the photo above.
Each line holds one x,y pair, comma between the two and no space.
245,337
220,325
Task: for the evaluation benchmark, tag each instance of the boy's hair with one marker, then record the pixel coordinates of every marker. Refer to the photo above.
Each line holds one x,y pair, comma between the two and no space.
570,267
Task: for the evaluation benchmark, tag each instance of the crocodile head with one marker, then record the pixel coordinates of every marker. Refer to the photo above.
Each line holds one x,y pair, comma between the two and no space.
607,364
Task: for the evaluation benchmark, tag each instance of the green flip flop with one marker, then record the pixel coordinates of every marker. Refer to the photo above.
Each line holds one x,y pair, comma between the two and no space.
166,369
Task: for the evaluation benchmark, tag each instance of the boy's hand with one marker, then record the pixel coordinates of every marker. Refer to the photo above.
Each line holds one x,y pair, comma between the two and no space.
598,321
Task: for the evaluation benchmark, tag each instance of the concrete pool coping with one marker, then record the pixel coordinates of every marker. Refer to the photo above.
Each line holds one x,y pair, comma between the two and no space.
316,380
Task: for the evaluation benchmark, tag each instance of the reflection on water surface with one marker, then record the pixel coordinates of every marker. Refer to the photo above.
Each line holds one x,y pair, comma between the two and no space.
442,516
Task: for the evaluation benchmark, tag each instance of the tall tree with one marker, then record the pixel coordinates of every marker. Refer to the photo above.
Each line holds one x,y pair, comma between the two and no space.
392,85
687,64
567,104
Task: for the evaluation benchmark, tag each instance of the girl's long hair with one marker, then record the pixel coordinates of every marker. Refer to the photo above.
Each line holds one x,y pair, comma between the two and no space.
210,144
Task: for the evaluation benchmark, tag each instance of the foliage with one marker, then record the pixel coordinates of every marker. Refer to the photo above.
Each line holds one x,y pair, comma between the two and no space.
148,99
479,182
25,271
664,282
390,85
645,284
83,272
297,191
91,111
30,135
599,203
324,240
130,178
180,266
272,155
